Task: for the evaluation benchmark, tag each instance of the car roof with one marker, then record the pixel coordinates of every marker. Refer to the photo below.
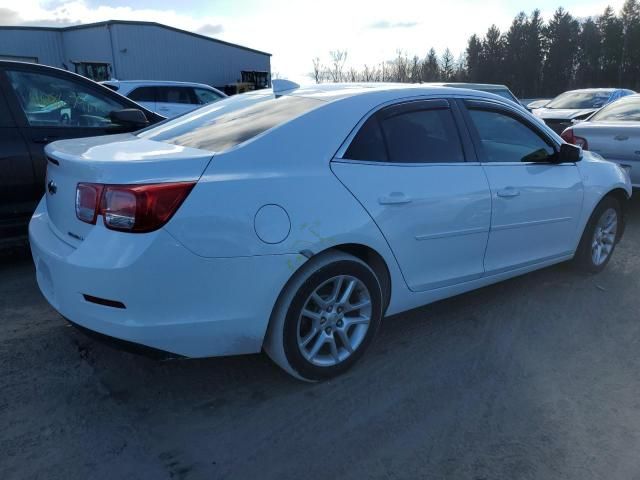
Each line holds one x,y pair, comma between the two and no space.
155,82
593,90
335,91
474,86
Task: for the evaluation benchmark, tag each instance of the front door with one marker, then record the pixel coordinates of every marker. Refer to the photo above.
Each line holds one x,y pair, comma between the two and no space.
536,202
406,166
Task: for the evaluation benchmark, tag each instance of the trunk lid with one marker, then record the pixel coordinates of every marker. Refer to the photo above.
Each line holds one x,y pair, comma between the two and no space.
115,159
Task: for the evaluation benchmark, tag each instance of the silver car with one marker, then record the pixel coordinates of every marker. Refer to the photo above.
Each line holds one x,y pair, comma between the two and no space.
613,132
577,105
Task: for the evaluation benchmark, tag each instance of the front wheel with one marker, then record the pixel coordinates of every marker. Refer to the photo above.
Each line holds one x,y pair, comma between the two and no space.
326,317
600,236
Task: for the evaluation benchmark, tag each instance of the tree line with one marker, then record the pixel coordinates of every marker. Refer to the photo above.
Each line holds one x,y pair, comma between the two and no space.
533,57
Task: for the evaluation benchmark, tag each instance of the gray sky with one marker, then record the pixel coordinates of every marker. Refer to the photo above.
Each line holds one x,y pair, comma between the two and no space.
296,31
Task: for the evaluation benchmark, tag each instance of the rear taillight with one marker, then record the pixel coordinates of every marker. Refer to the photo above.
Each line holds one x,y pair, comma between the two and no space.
130,208
569,137
88,197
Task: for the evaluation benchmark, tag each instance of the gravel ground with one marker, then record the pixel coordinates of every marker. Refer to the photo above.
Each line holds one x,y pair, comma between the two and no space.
536,377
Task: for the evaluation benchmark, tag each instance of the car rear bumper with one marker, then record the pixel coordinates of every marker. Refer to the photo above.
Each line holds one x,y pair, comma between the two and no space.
157,292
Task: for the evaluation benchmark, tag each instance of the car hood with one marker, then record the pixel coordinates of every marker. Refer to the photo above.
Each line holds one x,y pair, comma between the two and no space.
562,113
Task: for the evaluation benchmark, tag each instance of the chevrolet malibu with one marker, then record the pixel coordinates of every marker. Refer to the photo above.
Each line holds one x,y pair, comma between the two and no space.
292,220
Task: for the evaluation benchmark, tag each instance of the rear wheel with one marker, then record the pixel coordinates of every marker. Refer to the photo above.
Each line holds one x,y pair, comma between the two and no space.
600,236
326,317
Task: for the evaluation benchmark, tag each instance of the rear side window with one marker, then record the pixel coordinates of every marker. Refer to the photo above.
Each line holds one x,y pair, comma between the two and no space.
143,94
205,96
368,144
175,95
415,136
222,125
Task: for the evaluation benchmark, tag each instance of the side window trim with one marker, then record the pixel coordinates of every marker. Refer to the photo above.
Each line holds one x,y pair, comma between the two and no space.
389,110
467,104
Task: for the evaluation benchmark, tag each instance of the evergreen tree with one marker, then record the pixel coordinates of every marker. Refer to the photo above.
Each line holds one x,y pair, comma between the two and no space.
562,38
447,66
474,58
493,49
430,67
589,40
515,53
630,59
534,55
610,28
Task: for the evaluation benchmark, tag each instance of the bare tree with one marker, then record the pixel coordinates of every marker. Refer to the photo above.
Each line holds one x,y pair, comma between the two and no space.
318,70
338,59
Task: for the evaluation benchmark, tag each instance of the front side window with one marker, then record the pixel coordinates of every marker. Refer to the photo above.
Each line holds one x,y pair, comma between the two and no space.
623,110
229,122
48,101
205,96
506,139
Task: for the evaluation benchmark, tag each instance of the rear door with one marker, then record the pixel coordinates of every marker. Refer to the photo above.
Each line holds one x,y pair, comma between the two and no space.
49,105
16,176
413,170
172,101
536,202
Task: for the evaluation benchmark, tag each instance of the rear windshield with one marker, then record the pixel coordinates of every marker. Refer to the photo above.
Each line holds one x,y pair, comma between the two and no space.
624,110
580,100
229,122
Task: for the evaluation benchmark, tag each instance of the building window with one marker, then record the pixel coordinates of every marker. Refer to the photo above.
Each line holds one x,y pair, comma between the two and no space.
96,71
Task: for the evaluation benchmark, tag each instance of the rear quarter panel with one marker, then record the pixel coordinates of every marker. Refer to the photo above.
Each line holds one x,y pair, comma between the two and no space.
288,167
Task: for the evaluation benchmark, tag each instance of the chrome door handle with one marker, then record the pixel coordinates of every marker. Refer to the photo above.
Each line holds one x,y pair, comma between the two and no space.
508,192
394,198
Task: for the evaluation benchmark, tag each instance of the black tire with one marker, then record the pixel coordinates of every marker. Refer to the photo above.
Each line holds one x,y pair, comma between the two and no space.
281,341
583,259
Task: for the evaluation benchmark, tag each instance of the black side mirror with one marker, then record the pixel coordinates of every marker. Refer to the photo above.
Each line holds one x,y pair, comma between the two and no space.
569,153
129,117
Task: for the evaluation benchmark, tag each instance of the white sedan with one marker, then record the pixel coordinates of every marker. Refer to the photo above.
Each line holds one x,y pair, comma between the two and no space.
293,222
166,98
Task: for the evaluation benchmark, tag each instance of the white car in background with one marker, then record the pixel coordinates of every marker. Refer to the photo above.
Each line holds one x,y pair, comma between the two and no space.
168,99
295,221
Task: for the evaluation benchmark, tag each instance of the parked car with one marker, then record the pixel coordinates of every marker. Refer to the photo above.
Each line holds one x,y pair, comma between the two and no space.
169,99
613,132
560,112
536,103
501,90
294,220
39,104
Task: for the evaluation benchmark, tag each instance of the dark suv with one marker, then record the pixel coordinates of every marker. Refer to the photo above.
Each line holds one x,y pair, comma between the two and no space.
40,104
